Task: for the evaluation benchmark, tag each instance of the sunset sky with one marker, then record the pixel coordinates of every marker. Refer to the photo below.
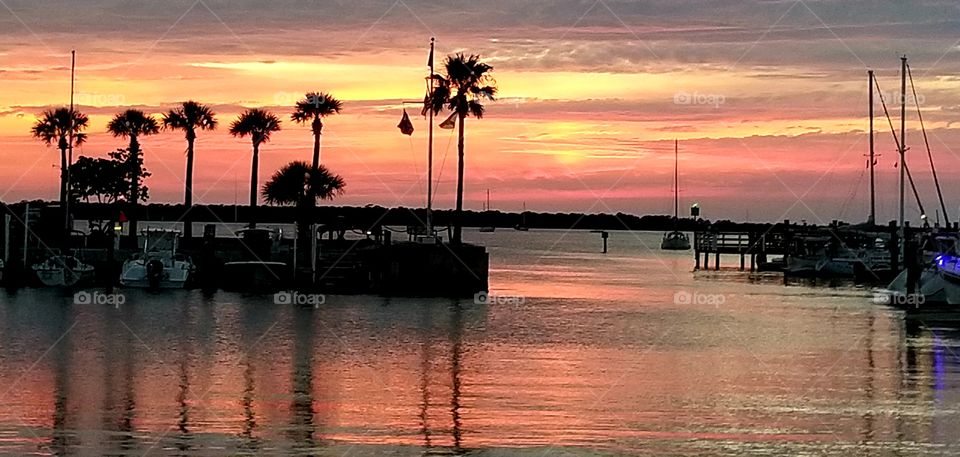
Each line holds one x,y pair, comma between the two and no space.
767,98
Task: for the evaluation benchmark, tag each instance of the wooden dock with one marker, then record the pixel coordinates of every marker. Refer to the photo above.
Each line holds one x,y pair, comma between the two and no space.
755,245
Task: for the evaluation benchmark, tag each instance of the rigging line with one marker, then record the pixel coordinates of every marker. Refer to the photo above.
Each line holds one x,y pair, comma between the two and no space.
897,141
442,163
933,169
852,194
886,113
416,166
914,187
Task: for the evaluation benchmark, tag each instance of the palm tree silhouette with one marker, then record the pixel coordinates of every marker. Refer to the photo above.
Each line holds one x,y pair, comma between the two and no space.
297,182
258,124
189,117
133,124
467,82
55,125
313,108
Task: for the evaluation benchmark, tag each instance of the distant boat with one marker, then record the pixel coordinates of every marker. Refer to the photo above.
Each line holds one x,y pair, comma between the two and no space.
159,266
486,209
257,273
522,226
62,271
675,240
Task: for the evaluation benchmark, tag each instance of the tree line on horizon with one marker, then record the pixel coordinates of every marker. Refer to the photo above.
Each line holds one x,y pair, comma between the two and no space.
463,87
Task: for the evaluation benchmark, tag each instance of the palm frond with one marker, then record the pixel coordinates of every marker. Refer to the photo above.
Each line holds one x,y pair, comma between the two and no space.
256,123
133,122
315,105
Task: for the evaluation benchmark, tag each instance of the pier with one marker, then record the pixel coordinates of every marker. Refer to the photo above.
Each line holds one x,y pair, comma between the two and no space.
866,252
368,261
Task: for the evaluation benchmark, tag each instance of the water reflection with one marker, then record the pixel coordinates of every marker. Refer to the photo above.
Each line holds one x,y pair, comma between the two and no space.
775,371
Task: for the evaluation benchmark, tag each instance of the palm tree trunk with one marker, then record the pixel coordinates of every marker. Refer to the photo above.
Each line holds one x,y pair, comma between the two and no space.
458,219
253,185
134,160
316,149
188,192
63,176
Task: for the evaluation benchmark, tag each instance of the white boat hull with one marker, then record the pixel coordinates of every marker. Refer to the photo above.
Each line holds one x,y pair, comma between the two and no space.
136,274
63,272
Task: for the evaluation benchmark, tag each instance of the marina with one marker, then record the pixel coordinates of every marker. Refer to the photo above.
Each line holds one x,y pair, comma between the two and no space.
546,229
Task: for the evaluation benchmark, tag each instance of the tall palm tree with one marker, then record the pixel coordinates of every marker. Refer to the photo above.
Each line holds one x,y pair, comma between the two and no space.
465,85
189,117
258,124
313,108
55,125
133,124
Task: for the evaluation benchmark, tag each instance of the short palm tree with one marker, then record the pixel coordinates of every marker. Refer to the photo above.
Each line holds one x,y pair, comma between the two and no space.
297,183
189,117
133,124
258,124
313,108
55,126
466,84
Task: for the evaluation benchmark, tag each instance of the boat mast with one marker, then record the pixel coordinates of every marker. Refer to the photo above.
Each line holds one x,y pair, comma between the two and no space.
903,150
676,179
430,148
66,203
873,195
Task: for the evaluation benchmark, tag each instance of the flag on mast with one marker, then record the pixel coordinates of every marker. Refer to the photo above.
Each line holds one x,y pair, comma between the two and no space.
450,122
405,126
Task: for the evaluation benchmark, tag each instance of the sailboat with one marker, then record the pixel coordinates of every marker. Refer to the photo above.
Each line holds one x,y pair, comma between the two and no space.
675,240
59,270
522,226
861,247
487,228
933,284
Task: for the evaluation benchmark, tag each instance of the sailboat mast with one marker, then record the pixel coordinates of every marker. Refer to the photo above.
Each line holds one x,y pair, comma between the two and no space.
903,150
676,179
66,203
873,195
430,148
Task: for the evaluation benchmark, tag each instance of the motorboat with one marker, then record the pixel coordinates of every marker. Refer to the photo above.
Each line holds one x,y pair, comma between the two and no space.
675,241
62,271
159,266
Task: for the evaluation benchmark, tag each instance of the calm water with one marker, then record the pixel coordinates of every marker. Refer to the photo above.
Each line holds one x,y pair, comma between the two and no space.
596,359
